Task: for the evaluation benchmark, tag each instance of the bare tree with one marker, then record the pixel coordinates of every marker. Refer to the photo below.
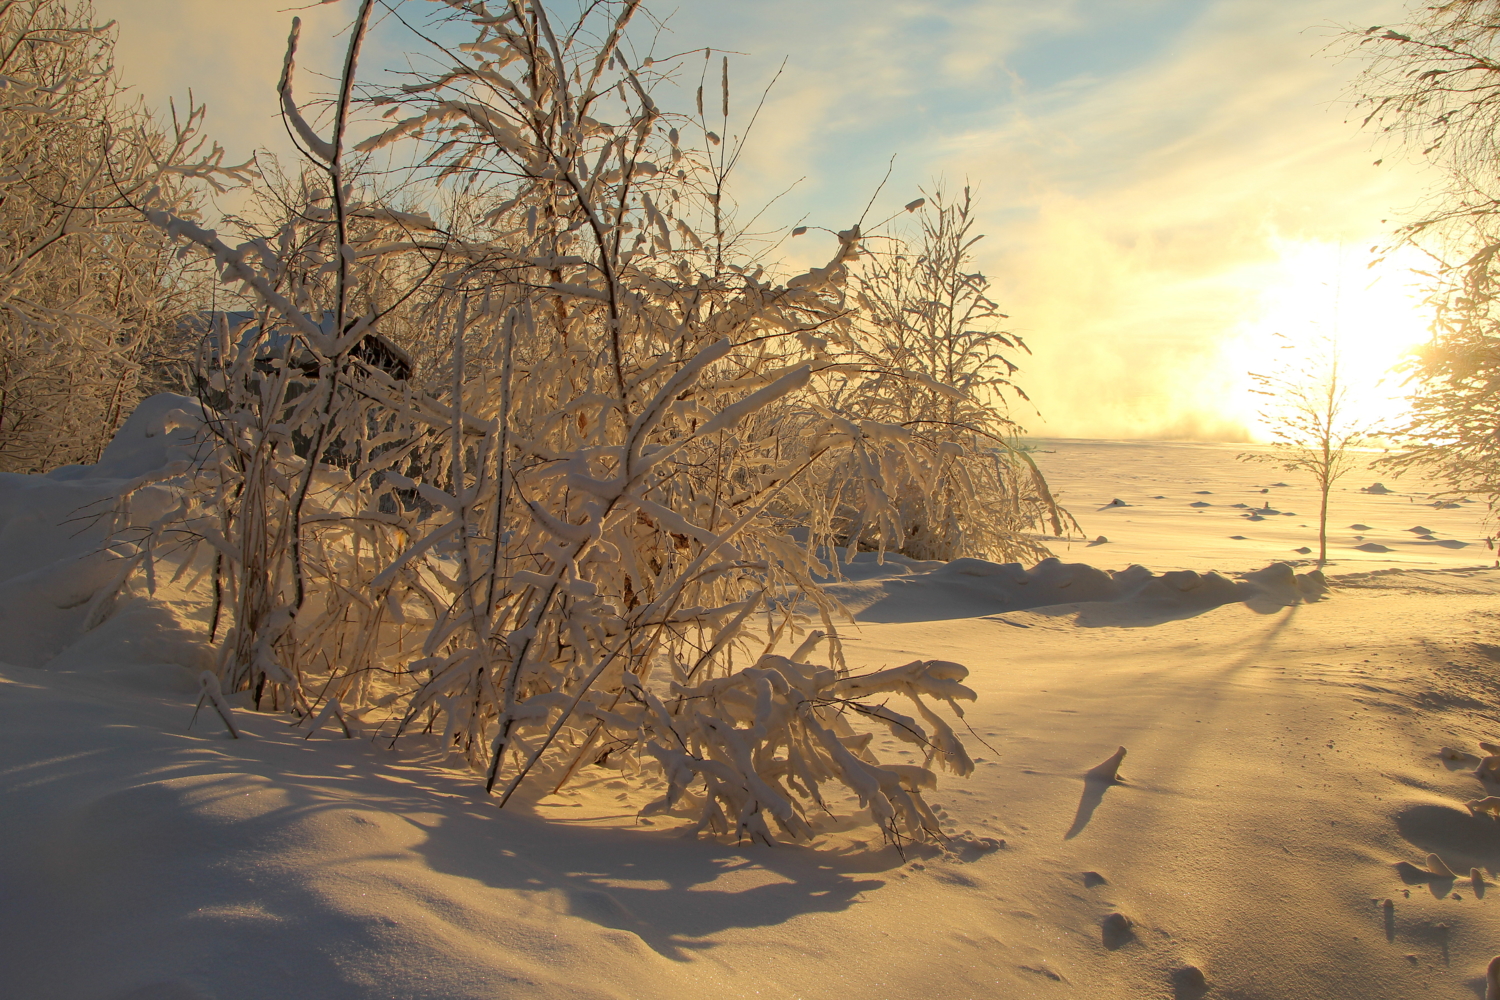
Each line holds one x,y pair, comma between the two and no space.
932,359
1312,424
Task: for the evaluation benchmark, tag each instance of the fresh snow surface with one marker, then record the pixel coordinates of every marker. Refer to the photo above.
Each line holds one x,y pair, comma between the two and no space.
1280,794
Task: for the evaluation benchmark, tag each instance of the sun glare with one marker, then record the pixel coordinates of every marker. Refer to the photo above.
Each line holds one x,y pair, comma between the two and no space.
1319,291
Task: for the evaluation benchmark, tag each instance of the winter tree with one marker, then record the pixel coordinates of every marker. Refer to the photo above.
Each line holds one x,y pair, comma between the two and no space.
933,361
1433,85
1313,425
92,293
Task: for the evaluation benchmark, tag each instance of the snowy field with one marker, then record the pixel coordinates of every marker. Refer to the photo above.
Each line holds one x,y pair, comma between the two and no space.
1269,837
1195,506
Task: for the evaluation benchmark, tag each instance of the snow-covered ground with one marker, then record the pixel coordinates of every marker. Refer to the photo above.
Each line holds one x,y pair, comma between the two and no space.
1282,778
1197,506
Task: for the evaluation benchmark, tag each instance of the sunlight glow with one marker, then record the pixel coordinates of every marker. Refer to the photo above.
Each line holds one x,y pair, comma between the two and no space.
1316,290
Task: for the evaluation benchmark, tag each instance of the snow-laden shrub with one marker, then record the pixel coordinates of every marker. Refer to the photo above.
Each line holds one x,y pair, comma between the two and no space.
927,362
580,526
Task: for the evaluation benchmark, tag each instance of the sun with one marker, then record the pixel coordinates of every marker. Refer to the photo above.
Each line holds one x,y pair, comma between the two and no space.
1370,309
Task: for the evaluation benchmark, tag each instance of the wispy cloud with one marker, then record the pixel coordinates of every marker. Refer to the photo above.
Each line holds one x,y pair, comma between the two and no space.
227,54
1144,169
1144,165
1148,213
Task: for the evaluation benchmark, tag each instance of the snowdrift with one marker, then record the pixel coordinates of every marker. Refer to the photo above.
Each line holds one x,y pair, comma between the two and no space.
57,567
55,557
905,590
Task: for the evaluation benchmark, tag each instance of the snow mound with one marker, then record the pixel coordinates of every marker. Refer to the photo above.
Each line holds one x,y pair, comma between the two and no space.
971,588
161,430
59,573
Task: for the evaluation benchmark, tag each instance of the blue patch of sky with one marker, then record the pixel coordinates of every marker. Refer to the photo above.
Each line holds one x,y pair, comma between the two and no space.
1110,39
1106,39
854,144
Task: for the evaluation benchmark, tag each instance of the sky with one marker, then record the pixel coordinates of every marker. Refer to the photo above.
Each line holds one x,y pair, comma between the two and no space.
1164,185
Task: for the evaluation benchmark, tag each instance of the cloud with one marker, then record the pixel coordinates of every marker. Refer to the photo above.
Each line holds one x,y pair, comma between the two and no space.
1143,169
1147,214
862,81
227,54
1143,165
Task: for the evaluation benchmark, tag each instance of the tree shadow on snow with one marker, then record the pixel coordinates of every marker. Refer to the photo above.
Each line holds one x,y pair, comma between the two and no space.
671,890
1138,614
200,833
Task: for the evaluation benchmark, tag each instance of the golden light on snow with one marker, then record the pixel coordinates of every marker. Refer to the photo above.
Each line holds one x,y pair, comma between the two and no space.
1317,292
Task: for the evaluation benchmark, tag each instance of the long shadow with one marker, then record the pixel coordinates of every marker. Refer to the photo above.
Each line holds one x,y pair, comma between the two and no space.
1120,613
126,825
670,891
277,827
1093,794
1212,690
1125,614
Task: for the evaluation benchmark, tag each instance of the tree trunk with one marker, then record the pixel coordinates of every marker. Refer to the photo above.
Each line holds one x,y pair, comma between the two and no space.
1323,526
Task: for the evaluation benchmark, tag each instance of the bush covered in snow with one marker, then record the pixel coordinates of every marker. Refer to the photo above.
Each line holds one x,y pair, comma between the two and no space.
552,472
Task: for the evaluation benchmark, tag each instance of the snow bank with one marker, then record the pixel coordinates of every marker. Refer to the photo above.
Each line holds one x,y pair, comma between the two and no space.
160,431
56,566
905,590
